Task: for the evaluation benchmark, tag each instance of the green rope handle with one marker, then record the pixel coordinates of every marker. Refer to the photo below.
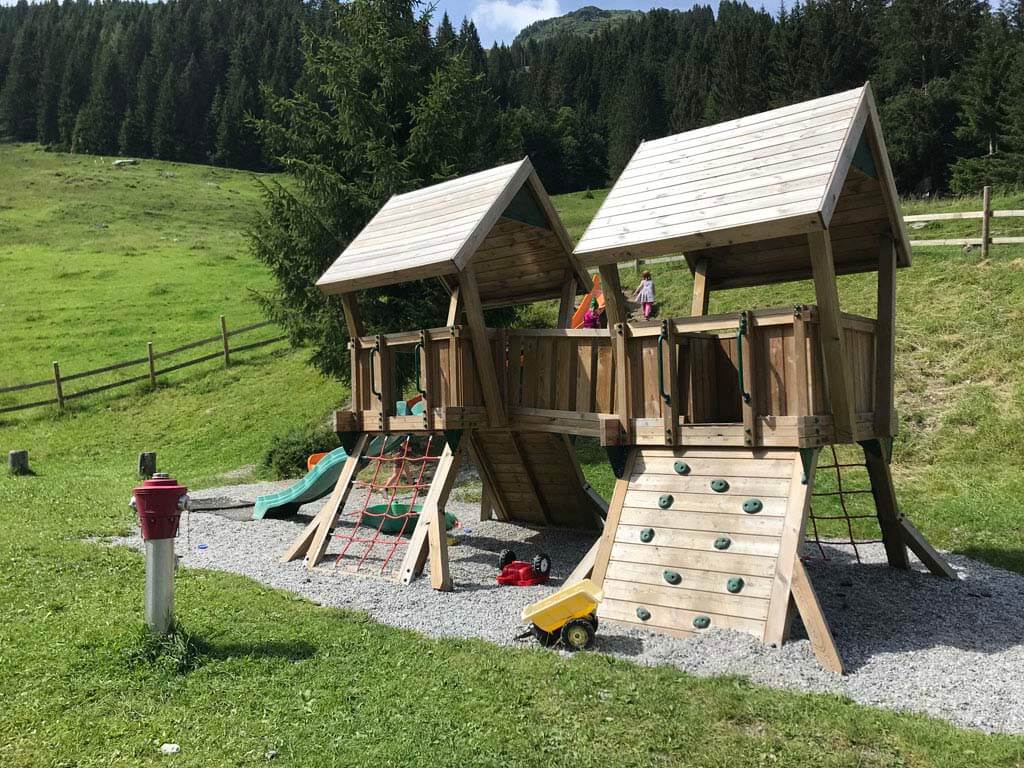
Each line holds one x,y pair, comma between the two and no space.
373,378
661,366
740,333
416,353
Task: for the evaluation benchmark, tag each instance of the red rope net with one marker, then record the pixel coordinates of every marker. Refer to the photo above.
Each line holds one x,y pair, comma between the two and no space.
844,515
385,501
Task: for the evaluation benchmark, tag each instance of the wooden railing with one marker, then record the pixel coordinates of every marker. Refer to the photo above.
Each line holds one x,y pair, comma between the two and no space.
701,380
59,381
985,215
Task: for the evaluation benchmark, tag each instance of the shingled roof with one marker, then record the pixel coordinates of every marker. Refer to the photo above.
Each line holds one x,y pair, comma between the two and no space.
501,221
744,194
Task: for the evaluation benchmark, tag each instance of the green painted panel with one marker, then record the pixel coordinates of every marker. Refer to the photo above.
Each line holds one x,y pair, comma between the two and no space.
525,208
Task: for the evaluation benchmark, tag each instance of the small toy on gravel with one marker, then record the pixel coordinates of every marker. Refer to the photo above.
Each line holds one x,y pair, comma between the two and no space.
519,573
568,617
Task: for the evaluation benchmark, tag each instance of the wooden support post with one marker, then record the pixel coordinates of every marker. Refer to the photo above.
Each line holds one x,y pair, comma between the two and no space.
885,504
353,320
152,363
747,359
567,304
986,220
925,552
454,307
885,340
481,348
313,539
427,380
380,371
611,523
621,360
776,626
822,642
830,333
798,371
224,339
611,287
429,538
669,383
57,385
486,506
701,289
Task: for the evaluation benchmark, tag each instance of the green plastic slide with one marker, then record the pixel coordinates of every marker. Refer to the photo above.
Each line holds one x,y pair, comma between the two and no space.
321,480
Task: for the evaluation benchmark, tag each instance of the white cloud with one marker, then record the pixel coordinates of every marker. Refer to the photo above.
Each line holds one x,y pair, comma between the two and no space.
502,19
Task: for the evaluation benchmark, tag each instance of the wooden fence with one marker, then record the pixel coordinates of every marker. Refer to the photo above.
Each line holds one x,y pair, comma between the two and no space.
59,380
986,214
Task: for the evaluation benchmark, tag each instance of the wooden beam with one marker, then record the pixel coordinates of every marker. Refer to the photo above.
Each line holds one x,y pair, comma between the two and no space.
567,304
776,624
481,348
614,303
454,307
313,538
925,552
585,567
701,289
822,642
611,523
353,319
885,504
830,332
885,339
430,537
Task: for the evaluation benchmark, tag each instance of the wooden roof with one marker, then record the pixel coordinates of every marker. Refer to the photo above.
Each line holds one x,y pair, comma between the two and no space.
744,194
500,221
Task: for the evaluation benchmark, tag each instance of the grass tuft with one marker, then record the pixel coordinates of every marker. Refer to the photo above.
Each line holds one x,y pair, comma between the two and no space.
178,652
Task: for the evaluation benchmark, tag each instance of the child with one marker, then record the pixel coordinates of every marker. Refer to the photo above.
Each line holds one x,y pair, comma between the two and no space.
592,318
645,294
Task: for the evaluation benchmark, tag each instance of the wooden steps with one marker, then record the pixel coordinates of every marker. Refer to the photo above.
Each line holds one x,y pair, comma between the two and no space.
536,478
676,551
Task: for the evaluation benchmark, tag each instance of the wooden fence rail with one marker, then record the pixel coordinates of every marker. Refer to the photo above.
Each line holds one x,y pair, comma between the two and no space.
985,215
58,380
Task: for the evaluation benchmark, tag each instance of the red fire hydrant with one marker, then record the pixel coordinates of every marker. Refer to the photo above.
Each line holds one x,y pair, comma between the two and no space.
160,502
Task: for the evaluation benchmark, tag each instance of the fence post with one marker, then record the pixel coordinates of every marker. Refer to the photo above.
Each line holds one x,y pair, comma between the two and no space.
152,363
986,220
224,337
57,385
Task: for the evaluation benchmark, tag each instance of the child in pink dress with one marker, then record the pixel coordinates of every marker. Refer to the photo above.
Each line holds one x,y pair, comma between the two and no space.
645,294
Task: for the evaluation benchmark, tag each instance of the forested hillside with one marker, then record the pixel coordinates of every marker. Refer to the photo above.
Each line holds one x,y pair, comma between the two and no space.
177,79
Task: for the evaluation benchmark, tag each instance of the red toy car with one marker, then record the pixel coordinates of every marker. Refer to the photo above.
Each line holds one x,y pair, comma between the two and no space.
519,573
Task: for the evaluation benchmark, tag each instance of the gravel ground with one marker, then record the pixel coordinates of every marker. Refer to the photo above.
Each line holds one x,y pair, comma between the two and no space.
910,641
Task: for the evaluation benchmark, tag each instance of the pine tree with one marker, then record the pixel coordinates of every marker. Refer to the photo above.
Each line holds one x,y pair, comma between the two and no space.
983,98
99,121
164,135
18,98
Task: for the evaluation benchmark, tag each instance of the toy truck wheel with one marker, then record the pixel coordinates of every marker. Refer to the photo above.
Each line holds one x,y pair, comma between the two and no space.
578,634
546,639
592,618
505,557
541,565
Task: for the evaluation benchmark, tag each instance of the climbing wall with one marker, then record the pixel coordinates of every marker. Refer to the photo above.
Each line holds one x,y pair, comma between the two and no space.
537,479
698,539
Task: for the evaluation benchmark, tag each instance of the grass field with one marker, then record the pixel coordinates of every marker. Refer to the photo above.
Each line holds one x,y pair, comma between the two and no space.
266,672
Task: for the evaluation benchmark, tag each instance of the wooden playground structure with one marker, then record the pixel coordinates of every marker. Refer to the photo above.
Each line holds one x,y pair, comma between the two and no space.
713,424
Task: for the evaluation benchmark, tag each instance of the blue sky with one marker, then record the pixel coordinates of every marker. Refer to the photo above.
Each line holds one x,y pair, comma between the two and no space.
500,20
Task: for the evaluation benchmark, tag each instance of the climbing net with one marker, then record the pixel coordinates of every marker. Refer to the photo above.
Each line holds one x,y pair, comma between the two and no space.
844,513
385,502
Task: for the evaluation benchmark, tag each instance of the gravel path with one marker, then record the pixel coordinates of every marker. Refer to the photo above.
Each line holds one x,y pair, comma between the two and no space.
954,650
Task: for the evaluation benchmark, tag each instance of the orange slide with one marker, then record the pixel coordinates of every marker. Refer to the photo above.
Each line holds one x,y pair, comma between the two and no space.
581,310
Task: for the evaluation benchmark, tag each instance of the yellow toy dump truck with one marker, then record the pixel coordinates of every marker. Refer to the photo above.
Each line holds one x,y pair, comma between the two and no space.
569,616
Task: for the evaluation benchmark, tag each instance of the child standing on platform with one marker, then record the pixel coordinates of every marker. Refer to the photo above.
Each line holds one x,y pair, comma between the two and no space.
645,294
592,318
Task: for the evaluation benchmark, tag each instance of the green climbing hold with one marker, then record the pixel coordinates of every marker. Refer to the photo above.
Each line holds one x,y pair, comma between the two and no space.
719,485
734,585
722,542
753,506
681,468
665,501
672,577
702,622
643,614
647,535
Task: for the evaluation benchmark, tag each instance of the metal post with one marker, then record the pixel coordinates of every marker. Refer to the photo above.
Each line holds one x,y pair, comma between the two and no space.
986,220
160,585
